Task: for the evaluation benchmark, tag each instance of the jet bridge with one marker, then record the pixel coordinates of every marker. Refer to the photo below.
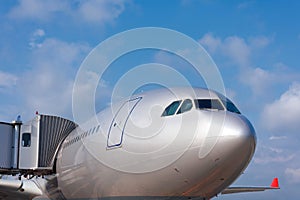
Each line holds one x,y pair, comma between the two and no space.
31,148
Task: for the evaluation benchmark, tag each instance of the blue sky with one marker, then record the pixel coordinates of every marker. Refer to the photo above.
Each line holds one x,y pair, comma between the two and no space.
255,45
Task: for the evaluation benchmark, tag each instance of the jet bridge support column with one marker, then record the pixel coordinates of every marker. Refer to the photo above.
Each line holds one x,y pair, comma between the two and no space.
15,148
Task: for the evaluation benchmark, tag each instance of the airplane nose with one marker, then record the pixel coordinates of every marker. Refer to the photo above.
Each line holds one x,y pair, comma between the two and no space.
231,151
239,129
238,139
231,134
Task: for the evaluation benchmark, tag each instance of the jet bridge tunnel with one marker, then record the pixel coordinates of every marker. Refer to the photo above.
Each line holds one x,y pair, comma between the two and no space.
31,148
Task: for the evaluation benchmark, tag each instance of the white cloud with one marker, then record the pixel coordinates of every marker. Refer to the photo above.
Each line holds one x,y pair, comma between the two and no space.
275,153
258,79
260,41
101,11
47,86
278,137
58,54
37,35
103,83
276,150
238,52
36,9
284,113
237,49
280,66
262,81
7,80
95,11
293,175
84,93
211,42
273,158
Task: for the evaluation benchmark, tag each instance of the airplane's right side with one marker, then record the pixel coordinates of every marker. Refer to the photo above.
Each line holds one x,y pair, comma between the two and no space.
166,144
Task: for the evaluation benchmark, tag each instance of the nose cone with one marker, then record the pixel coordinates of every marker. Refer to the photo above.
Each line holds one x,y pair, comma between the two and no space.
238,139
232,150
230,134
239,131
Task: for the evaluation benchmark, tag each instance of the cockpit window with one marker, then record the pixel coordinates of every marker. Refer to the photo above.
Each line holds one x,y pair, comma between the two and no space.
186,106
213,104
229,105
171,109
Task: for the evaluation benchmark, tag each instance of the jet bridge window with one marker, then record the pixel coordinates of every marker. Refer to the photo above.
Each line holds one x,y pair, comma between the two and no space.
213,104
186,106
26,139
171,109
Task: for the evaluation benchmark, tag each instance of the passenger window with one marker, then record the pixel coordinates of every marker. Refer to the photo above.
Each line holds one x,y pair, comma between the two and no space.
97,128
171,109
26,140
186,106
209,104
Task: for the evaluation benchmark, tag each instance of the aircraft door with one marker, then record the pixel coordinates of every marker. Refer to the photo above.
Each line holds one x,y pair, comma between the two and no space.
118,124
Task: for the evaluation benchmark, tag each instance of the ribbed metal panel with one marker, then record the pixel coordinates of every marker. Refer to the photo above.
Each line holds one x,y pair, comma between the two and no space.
53,130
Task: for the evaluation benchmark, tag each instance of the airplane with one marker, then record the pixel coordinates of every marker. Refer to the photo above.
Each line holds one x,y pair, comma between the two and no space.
175,143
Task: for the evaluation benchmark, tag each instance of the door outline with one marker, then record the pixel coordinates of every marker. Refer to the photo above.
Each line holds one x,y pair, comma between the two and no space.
115,144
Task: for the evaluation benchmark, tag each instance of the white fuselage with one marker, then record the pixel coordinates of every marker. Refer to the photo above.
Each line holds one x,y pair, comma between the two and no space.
133,151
